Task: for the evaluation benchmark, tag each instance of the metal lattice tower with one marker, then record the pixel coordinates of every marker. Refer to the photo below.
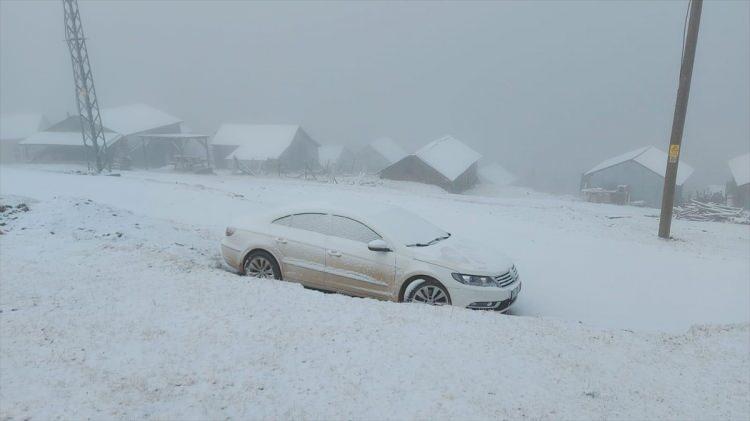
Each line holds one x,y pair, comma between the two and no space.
88,106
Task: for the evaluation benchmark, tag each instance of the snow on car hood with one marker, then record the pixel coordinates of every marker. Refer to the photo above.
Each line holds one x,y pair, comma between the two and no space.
464,256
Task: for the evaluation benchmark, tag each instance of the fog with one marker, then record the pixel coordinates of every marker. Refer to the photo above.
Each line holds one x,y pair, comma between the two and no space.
548,89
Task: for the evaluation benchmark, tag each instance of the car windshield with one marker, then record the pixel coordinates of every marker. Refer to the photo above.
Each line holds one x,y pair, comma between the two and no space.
409,229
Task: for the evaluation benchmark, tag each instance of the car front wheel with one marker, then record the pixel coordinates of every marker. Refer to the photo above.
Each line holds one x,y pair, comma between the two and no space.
428,292
260,264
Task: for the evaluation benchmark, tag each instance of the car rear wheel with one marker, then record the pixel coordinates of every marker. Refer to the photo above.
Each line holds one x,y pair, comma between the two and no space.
260,264
428,292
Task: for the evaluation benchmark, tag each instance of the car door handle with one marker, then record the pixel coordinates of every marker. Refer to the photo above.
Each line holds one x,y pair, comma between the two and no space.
334,253
281,240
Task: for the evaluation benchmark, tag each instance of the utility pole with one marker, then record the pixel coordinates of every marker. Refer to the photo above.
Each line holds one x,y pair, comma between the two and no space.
678,122
88,106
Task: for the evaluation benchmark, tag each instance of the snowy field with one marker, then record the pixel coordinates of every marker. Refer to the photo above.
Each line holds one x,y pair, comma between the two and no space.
114,303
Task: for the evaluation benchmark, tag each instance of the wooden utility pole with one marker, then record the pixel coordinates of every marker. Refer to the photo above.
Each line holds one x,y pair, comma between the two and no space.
678,123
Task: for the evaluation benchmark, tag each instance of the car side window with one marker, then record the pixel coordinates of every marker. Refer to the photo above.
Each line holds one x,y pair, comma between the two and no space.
284,220
315,222
350,229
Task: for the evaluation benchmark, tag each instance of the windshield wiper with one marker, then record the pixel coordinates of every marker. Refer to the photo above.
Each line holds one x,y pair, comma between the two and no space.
429,243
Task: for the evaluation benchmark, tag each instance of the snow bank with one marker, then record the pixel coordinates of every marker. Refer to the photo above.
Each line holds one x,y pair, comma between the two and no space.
129,316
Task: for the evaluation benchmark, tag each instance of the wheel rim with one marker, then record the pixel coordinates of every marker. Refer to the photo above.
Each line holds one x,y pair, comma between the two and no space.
430,294
259,267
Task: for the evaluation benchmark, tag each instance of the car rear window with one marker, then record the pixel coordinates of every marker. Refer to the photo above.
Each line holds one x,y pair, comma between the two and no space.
315,222
350,229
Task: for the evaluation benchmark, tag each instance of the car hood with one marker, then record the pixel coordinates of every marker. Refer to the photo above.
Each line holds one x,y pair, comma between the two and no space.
464,256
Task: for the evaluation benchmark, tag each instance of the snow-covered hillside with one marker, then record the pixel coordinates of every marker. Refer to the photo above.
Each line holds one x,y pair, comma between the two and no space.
114,303
599,264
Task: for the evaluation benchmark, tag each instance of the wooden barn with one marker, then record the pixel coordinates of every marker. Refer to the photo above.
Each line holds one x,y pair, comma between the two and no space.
739,191
126,131
446,162
265,148
379,154
337,159
635,177
14,128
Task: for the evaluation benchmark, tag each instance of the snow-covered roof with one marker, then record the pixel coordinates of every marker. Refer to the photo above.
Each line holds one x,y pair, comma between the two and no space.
495,174
256,141
181,136
18,126
740,167
652,158
449,156
135,118
389,149
63,139
328,154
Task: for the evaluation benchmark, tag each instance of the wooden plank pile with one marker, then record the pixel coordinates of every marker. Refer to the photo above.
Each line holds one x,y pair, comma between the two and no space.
708,211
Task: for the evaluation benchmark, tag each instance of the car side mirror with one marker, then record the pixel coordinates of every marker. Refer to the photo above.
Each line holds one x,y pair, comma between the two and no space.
378,245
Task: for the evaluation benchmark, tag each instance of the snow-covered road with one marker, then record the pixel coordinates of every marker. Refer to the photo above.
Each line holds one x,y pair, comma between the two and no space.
113,303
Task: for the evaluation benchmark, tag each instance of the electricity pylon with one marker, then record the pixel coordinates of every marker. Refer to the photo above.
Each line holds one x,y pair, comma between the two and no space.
88,106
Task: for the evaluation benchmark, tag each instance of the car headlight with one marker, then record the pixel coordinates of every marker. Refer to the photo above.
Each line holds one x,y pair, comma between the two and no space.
474,280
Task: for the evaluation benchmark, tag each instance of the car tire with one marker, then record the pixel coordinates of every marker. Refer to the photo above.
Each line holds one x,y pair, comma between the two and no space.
260,264
428,291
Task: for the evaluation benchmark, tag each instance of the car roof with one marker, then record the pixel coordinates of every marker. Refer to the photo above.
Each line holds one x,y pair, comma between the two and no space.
359,210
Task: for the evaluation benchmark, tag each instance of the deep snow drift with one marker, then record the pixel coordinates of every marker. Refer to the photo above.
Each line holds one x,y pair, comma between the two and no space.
114,303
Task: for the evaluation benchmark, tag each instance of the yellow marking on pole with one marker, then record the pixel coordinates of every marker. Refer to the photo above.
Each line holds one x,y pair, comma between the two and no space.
674,153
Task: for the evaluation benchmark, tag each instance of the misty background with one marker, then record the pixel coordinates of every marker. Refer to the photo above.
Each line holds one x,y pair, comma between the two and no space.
547,89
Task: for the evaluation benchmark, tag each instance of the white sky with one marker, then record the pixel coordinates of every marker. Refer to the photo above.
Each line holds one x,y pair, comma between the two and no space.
548,89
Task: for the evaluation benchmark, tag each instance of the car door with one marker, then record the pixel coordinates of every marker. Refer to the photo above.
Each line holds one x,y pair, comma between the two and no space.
303,247
352,267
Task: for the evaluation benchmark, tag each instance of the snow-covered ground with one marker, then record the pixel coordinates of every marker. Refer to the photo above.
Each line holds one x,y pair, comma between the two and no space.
114,303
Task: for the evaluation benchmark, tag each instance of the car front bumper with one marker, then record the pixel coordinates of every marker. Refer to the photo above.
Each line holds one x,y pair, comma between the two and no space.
485,298
232,256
